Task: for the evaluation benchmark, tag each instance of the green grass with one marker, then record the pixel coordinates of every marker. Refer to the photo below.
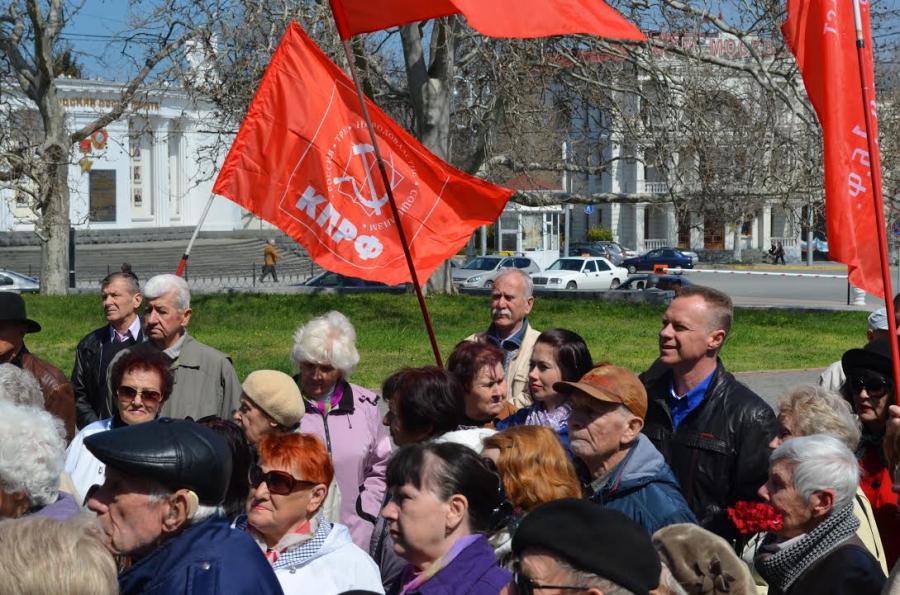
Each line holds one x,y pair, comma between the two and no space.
257,330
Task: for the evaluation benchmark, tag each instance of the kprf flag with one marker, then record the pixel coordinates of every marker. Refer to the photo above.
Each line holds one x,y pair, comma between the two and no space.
303,161
822,36
495,18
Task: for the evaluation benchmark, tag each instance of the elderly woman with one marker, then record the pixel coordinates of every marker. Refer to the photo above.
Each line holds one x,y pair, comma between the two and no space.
20,387
32,449
812,481
559,355
479,369
308,553
443,498
141,382
345,417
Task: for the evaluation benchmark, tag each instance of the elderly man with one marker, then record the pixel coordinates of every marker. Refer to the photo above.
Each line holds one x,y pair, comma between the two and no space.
713,431
14,325
160,506
205,380
120,294
511,302
812,482
270,403
574,546
627,473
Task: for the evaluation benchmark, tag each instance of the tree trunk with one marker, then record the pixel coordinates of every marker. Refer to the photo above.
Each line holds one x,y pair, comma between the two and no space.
737,243
54,227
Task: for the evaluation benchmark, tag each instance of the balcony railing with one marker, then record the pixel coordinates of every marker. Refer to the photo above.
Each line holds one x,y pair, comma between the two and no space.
654,187
655,243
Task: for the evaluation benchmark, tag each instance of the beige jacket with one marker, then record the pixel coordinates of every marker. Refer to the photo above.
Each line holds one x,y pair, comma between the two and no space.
517,372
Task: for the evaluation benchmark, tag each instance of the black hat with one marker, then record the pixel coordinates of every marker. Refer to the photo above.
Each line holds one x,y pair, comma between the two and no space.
175,452
875,356
12,309
594,539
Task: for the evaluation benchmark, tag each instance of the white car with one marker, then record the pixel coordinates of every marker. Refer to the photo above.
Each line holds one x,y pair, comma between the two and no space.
591,273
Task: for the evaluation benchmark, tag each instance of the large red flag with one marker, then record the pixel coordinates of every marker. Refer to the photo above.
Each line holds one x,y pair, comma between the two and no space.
822,36
303,161
495,18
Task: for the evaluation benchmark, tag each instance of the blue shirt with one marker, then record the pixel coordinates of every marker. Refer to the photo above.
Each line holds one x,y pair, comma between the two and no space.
682,406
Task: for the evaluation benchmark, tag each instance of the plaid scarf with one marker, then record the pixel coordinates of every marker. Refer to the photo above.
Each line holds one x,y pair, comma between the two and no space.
297,547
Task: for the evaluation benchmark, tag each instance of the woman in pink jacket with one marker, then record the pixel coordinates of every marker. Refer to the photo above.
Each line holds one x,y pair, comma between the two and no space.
345,417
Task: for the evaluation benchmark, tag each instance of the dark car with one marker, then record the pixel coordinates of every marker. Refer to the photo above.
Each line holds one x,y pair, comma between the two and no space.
651,281
670,257
328,282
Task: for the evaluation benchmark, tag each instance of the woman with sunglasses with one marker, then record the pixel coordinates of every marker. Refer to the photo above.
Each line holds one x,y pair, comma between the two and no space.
871,390
141,382
442,499
309,554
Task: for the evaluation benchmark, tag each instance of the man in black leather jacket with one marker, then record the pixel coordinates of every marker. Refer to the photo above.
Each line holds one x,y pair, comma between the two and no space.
121,296
712,430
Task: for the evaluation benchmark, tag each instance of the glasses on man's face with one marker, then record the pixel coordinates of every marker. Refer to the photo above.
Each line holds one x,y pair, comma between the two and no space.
875,387
526,586
129,393
278,482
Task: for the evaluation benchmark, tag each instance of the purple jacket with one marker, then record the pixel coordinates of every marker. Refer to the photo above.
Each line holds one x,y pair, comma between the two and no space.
360,446
473,572
62,508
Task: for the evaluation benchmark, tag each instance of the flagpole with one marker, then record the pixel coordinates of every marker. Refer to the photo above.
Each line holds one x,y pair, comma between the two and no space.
187,251
390,193
877,200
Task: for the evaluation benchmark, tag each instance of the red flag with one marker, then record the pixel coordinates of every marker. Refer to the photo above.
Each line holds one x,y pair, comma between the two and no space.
303,161
822,36
495,18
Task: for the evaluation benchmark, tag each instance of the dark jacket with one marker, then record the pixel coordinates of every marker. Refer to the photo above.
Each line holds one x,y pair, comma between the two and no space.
720,453
473,572
643,488
207,558
58,396
849,569
92,357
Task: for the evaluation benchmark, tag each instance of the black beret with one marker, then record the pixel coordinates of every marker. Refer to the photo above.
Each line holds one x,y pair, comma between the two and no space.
875,356
176,453
593,539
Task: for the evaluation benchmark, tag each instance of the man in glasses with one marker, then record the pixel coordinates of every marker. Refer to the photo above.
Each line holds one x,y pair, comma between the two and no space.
159,511
575,547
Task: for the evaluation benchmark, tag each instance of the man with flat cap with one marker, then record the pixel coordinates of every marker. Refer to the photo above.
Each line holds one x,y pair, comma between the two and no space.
59,398
160,508
574,546
626,472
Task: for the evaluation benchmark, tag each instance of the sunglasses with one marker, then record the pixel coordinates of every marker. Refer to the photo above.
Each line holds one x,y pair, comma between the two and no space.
278,482
875,387
526,586
129,393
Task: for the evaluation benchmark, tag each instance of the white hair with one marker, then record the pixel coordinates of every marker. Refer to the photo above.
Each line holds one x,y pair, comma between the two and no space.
20,387
815,410
160,285
821,462
527,283
328,340
32,453
159,493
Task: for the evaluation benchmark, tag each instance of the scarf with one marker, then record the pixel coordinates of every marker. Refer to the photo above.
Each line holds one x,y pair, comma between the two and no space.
422,577
329,401
297,536
781,568
558,419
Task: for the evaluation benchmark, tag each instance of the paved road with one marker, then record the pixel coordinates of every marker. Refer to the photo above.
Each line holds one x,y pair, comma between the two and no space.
772,384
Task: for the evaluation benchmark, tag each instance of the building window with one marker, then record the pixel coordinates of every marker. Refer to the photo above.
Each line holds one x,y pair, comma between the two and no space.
102,184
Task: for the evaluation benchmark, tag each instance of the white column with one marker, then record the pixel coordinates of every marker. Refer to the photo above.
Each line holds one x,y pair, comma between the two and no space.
161,171
697,231
671,225
639,226
765,238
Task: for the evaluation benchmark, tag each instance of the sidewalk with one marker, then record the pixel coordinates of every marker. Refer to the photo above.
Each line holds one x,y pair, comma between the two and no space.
771,384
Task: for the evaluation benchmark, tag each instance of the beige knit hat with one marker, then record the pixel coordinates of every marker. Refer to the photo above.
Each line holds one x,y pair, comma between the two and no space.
277,394
702,562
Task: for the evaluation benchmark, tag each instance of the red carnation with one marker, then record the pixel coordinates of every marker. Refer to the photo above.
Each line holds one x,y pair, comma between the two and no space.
754,517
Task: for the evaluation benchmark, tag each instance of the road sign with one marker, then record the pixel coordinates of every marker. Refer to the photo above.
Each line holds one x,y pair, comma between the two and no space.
895,228
588,209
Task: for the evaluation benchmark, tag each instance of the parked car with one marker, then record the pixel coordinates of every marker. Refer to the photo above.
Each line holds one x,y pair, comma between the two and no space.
17,282
652,281
328,282
671,257
580,273
611,251
481,270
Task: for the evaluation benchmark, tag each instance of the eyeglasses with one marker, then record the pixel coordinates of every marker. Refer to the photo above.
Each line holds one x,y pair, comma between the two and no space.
526,586
278,482
128,393
875,387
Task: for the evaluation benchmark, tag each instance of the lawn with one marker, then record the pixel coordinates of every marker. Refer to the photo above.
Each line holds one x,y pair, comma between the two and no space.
256,330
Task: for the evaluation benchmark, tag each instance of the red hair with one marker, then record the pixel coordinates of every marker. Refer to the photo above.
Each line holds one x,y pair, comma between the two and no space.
304,455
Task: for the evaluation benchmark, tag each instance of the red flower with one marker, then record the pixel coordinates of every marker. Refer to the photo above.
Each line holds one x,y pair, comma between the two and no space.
754,517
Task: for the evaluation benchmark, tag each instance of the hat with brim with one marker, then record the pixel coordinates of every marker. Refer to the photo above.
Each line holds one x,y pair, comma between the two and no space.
612,384
875,357
12,309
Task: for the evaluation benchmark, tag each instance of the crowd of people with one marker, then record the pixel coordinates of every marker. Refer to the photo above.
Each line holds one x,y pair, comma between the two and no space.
526,465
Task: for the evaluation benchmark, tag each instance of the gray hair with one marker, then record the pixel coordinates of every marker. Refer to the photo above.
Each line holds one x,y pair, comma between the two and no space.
43,555
160,285
527,283
20,387
32,453
328,340
160,492
821,462
815,410
589,580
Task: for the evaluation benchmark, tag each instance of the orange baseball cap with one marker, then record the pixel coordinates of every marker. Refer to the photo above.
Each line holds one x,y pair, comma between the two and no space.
612,384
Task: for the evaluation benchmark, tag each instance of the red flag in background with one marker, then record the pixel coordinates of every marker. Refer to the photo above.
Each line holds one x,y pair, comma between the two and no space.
303,161
494,18
822,36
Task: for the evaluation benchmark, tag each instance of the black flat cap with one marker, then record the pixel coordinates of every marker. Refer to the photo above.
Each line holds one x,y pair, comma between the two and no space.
875,356
593,539
12,309
175,452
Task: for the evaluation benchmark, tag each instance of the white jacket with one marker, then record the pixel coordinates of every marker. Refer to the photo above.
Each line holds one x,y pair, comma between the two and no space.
338,566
